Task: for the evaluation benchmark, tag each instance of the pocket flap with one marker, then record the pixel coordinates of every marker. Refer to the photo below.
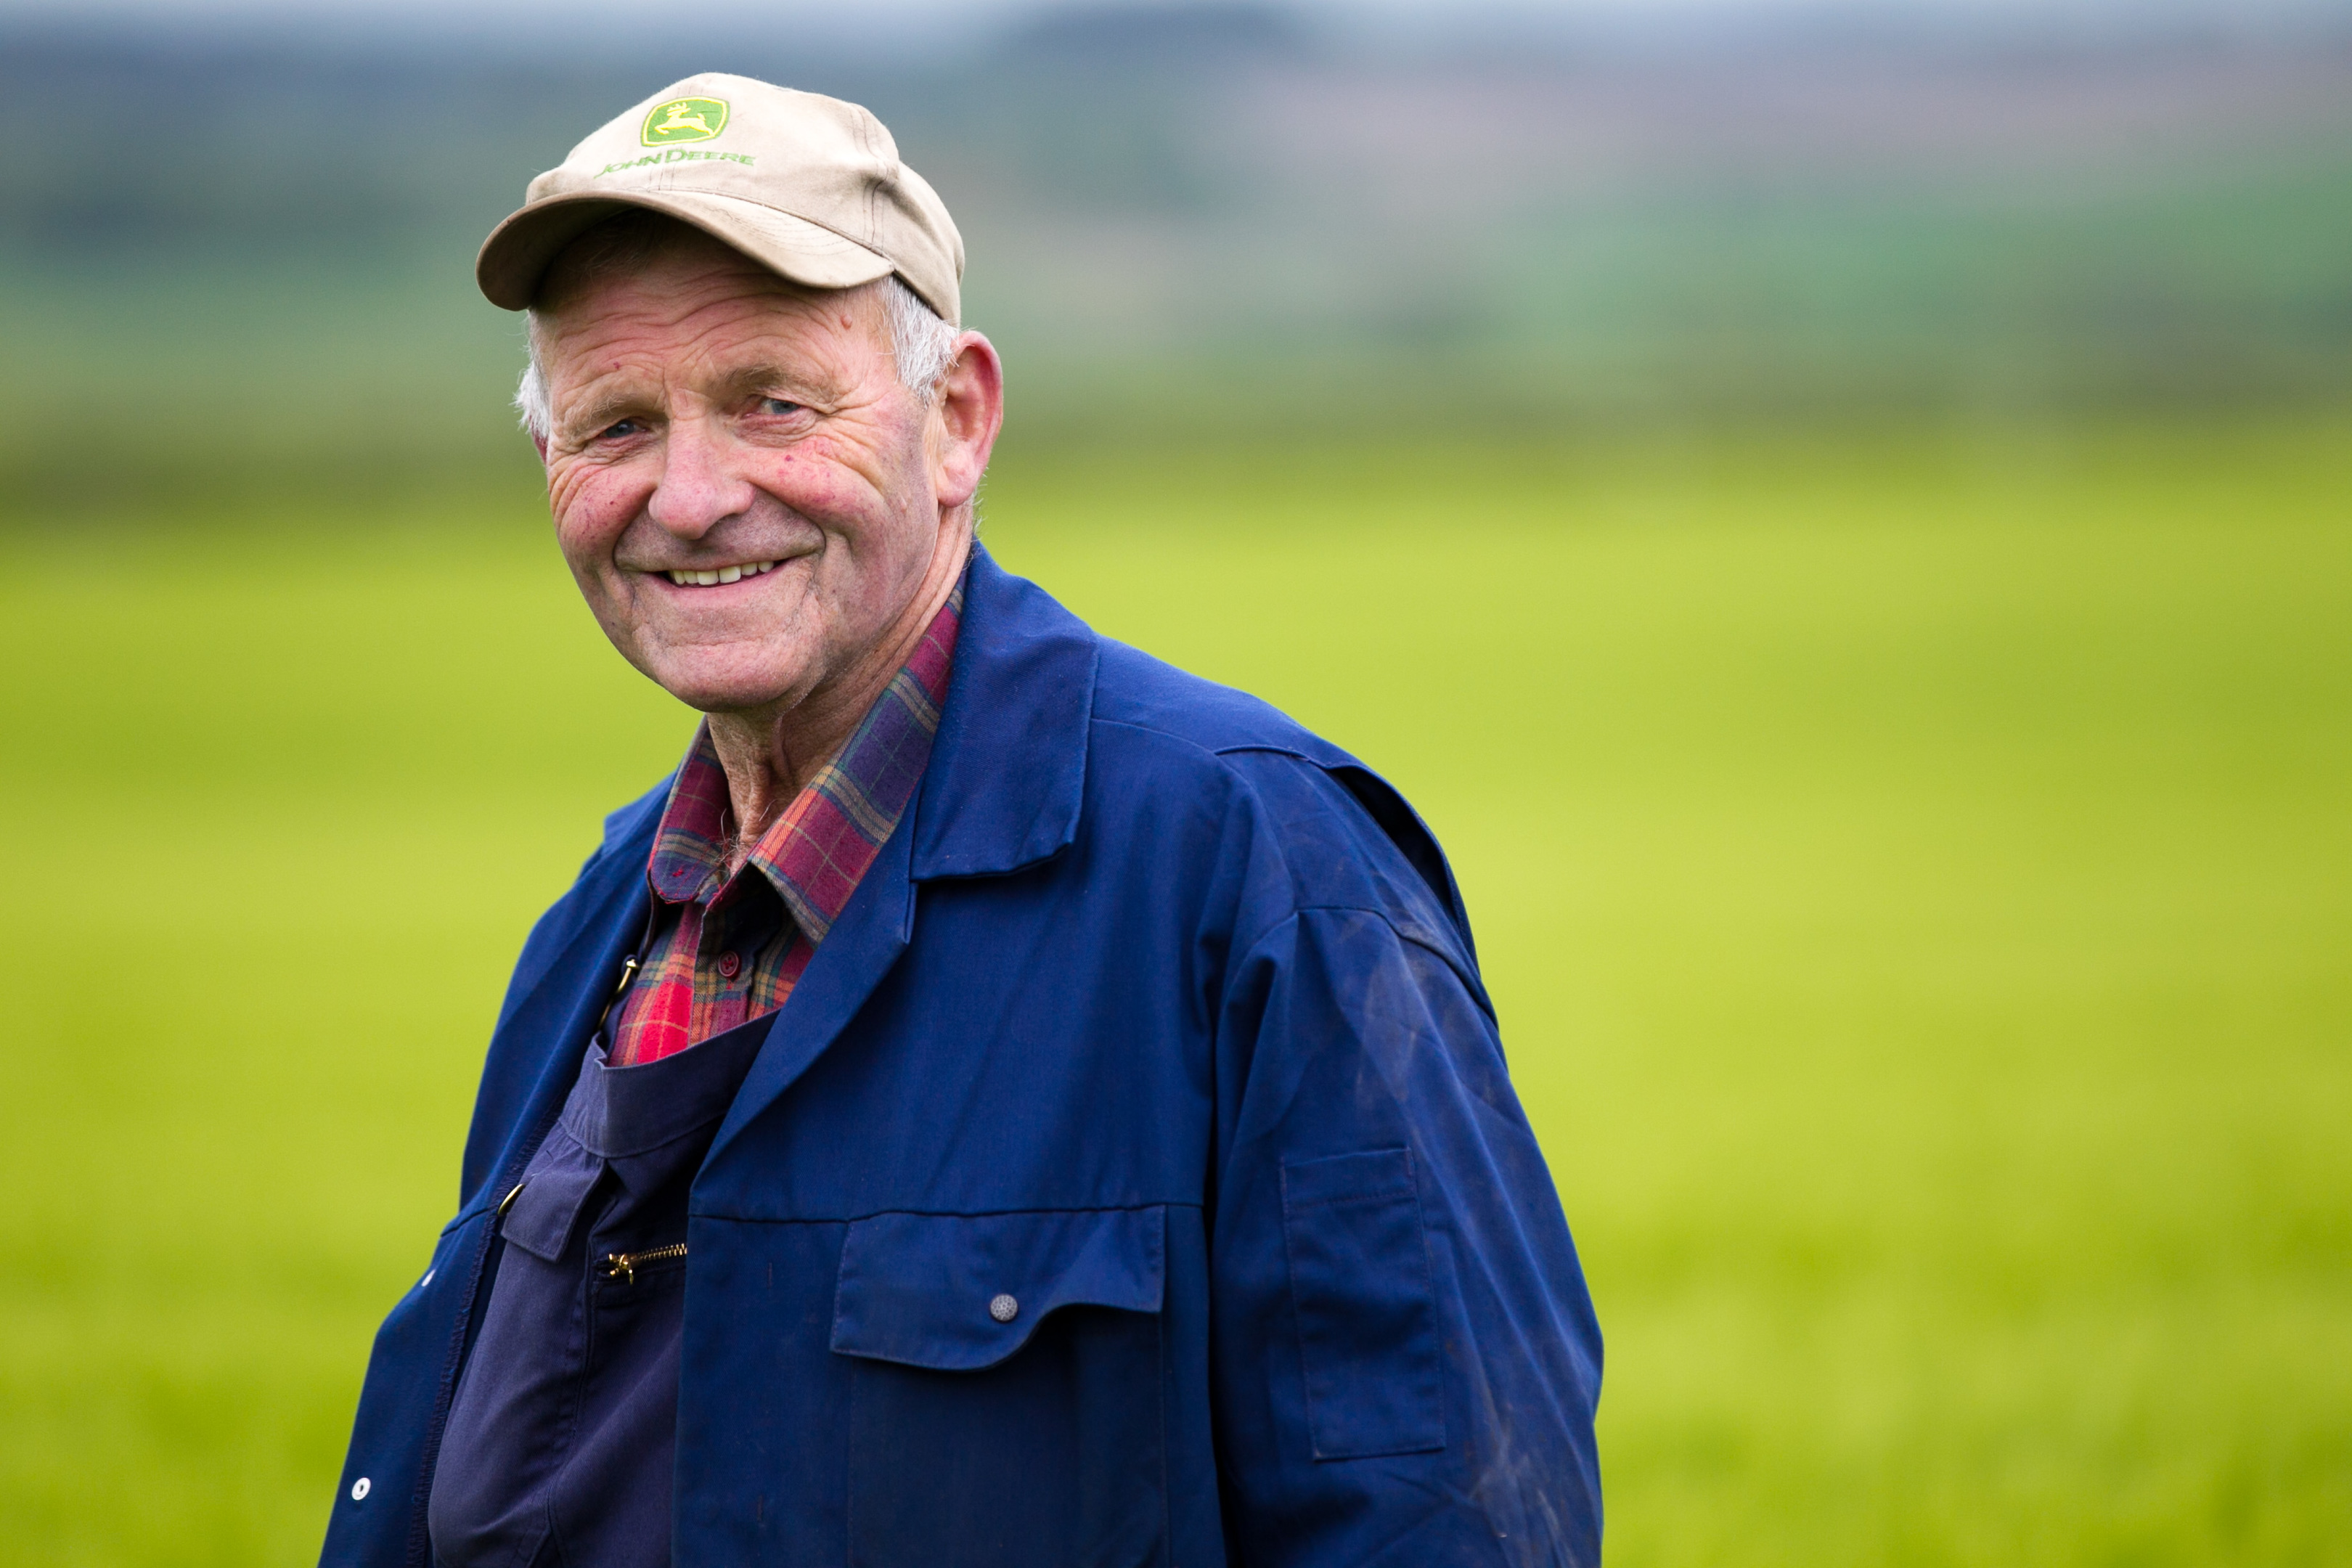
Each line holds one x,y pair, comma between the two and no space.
959,1292
556,1183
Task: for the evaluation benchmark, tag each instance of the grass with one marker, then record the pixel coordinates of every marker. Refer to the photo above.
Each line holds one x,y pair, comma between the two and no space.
1915,877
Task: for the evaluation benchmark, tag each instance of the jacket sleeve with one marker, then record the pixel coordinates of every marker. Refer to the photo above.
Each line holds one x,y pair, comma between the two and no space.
1406,1361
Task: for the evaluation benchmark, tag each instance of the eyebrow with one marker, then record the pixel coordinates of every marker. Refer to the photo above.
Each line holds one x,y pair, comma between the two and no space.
628,401
754,378
602,411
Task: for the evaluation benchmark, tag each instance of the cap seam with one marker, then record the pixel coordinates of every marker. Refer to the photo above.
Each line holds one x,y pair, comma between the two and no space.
867,126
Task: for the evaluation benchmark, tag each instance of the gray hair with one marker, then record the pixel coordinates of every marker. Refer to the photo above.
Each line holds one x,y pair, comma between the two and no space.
920,342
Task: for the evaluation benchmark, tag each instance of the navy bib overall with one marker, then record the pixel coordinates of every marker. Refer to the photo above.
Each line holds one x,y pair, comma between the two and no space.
560,1437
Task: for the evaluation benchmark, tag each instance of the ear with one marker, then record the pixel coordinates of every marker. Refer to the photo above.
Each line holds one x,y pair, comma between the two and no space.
968,410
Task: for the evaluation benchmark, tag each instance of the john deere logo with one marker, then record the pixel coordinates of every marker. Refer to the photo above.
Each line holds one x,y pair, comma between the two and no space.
684,119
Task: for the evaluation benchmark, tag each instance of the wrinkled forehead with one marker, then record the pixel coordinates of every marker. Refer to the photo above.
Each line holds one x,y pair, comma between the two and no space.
671,293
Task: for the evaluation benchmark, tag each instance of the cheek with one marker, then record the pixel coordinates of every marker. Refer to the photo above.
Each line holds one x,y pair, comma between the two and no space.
812,480
591,505
855,481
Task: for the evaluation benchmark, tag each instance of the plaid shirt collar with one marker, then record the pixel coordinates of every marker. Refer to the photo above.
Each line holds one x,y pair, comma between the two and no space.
817,852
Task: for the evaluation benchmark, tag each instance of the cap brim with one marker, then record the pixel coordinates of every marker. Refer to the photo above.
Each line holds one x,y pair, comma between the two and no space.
516,256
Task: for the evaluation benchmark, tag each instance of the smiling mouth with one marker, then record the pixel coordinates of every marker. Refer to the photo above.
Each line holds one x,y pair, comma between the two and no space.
716,576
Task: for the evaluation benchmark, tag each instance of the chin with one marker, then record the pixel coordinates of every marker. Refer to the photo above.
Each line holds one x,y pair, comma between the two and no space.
727,685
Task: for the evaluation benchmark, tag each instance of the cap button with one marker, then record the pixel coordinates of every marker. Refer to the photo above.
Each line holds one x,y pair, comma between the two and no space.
1004,1308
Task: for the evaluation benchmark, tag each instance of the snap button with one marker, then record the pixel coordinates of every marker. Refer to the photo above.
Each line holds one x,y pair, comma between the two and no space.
1004,1308
361,1488
729,963
427,1280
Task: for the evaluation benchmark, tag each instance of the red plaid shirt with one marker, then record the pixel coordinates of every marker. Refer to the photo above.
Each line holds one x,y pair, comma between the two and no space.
727,949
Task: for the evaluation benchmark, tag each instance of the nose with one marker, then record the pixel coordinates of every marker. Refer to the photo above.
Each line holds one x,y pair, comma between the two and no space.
698,488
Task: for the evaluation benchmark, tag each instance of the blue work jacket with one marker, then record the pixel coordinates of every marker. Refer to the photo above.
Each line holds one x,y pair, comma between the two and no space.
1133,1178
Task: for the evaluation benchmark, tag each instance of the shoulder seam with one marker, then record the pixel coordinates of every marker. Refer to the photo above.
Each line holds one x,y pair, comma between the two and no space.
1469,980
1206,749
1233,749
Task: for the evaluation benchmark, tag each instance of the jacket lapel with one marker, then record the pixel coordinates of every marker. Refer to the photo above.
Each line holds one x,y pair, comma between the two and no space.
535,1054
1002,790
855,954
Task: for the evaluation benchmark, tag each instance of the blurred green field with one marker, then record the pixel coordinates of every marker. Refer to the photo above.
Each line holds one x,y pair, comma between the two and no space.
1915,876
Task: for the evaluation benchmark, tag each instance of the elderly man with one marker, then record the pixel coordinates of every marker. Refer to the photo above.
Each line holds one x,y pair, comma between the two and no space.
1002,1102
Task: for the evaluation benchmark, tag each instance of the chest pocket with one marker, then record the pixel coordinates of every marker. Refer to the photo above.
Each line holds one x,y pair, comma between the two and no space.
1006,1402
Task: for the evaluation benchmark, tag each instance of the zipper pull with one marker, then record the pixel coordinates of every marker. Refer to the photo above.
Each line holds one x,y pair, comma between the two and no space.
622,1266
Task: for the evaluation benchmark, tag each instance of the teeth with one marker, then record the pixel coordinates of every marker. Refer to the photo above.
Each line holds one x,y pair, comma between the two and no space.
686,578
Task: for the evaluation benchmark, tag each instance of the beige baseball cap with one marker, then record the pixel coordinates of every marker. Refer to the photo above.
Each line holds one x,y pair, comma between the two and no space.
808,186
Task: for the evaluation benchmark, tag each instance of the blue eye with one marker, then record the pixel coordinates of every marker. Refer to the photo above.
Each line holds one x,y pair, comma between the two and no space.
620,430
778,406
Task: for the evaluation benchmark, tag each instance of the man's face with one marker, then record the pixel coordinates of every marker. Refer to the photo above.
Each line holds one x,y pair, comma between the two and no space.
710,417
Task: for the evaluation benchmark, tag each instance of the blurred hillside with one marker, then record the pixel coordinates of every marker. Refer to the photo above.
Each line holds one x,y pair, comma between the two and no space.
247,252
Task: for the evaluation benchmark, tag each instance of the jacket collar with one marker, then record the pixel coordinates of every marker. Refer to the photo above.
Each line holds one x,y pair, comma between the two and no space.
1002,791
559,1005
1007,772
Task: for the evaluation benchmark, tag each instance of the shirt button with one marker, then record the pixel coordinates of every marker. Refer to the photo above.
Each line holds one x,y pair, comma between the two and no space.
729,963
1004,1308
361,1488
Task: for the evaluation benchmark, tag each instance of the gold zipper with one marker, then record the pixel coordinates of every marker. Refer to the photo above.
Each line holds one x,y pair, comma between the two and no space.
623,1266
